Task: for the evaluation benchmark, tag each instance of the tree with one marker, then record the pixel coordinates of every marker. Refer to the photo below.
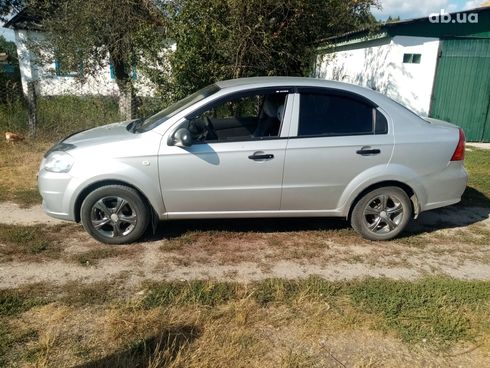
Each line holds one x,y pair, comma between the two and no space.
9,72
215,39
90,34
392,19
10,49
221,39
8,7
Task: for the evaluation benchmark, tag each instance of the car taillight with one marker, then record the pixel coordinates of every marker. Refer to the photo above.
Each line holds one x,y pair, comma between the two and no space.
459,152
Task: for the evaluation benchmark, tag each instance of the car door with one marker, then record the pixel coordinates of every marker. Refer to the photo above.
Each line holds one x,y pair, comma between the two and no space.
335,137
229,169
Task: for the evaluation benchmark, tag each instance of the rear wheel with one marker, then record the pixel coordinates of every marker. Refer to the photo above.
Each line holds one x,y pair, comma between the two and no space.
382,214
115,214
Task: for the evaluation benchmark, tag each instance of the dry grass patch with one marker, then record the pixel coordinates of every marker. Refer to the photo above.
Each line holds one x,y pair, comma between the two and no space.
19,164
235,247
309,323
69,242
32,243
92,257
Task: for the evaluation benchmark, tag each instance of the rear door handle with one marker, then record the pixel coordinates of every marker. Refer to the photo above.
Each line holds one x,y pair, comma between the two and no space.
258,156
368,151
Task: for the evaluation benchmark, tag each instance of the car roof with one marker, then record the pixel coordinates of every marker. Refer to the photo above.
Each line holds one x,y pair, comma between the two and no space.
259,82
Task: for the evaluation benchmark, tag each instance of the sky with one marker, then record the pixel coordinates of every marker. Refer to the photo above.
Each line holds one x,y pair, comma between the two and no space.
407,9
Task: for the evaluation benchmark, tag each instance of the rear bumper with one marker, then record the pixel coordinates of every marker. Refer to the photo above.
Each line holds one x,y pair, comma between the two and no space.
445,188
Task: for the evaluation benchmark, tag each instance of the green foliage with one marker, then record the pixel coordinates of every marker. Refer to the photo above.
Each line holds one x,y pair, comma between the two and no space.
92,33
216,39
230,39
8,7
10,49
10,86
392,19
61,115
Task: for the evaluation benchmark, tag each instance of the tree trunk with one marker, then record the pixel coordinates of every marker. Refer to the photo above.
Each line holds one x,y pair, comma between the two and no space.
32,106
127,98
127,103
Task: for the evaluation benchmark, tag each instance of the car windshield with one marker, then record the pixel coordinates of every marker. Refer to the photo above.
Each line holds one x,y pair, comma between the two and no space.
177,107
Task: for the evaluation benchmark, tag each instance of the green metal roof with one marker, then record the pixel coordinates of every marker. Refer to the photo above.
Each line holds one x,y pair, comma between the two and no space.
420,27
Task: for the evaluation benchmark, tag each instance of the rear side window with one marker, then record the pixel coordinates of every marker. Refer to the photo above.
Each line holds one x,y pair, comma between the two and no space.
381,124
337,115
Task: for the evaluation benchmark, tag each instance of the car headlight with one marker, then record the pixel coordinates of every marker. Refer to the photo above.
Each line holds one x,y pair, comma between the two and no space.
59,162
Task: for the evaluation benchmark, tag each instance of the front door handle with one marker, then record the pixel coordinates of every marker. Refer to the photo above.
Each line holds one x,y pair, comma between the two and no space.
368,151
258,156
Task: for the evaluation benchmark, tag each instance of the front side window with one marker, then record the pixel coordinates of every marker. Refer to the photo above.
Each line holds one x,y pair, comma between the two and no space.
241,117
159,118
323,114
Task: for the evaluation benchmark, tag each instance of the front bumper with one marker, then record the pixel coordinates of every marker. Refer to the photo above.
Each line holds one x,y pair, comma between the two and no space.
55,191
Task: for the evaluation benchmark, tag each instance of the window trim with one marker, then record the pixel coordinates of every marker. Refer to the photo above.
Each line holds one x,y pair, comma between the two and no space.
288,91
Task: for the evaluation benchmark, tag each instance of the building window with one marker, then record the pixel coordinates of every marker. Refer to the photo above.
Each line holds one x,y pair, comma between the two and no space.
134,74
412,58
65,69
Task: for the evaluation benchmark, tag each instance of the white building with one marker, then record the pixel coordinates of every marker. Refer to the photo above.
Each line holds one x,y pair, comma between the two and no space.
437,66
50,80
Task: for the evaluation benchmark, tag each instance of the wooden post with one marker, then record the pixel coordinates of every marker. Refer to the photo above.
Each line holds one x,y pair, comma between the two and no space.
32,108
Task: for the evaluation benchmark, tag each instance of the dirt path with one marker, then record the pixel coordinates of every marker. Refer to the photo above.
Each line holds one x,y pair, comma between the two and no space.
452,241
12,214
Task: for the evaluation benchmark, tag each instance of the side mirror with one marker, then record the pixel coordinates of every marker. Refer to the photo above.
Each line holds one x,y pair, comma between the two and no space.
182,138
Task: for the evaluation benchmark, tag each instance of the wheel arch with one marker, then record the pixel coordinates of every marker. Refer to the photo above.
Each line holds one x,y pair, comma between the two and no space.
102,183
412,195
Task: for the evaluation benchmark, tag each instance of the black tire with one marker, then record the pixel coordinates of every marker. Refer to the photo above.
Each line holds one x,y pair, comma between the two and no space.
382,214
115,214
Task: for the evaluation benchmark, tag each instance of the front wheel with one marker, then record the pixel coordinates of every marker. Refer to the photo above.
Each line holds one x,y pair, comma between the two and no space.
382,214
115,214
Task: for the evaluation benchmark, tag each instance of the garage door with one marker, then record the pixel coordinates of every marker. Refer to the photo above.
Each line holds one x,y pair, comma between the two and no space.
462,86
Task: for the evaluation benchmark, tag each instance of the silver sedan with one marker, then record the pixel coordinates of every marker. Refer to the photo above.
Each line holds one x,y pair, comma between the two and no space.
258,147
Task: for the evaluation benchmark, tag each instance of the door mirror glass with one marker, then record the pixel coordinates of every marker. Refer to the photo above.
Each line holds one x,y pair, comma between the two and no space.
181,138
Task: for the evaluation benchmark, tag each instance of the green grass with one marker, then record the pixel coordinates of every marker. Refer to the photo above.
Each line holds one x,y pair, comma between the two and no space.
477,163
194,292
62,115
227,320
98,293
93,256
438,310
14,302
29,243
9,337
435,309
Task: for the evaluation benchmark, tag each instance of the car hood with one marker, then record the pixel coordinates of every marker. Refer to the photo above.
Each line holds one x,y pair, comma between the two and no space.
105,133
